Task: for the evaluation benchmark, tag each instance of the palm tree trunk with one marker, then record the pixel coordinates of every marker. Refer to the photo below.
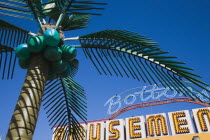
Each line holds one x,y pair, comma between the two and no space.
23,122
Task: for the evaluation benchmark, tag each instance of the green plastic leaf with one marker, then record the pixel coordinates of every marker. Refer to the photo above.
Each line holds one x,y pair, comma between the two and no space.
10,38
124,53
76,13
65,102
14,8
75,21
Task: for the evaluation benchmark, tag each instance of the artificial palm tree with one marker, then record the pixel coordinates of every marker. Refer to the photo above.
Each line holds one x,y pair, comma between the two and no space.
51,64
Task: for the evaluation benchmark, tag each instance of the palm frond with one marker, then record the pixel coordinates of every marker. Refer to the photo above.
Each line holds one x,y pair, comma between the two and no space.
16,8
75,21
9,39
123,53
71,15
74,67
70,7
64,99
79,6
27,9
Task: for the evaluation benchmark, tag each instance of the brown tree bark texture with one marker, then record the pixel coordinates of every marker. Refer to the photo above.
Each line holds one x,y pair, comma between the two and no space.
23,122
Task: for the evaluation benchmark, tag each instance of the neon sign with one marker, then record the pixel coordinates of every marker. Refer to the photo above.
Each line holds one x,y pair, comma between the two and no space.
144,94
139,127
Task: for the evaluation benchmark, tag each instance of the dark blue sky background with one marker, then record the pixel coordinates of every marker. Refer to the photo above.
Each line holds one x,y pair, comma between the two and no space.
179,26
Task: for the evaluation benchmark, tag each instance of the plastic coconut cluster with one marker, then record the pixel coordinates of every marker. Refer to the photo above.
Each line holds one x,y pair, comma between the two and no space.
61,57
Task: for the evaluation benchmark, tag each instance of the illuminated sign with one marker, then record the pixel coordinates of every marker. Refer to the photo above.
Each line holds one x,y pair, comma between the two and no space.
147,94
114,129
180,122
140,127
157,125
136,128
202,119
96,131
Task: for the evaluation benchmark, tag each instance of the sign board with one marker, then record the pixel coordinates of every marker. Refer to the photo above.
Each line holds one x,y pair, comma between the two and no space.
155,125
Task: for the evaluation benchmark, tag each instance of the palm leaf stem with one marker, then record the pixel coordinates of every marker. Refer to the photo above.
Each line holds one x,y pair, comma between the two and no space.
14,5
17,1
163,79
14,10
59,21
66,98
36,17
64,11
13,15
72,39
155,62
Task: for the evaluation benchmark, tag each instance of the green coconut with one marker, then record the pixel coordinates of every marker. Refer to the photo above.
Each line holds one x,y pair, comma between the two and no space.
36,44
52,37
52,53
59,66
22,51
69,52
74,63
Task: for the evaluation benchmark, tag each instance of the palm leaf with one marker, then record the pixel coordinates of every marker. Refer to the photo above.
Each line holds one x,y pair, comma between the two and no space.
9,39
70,7
27,9
72,14
16,8
64,99
123,53
74,67
79,6
75,21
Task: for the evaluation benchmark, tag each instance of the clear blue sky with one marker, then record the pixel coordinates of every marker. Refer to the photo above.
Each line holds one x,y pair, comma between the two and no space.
179,26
